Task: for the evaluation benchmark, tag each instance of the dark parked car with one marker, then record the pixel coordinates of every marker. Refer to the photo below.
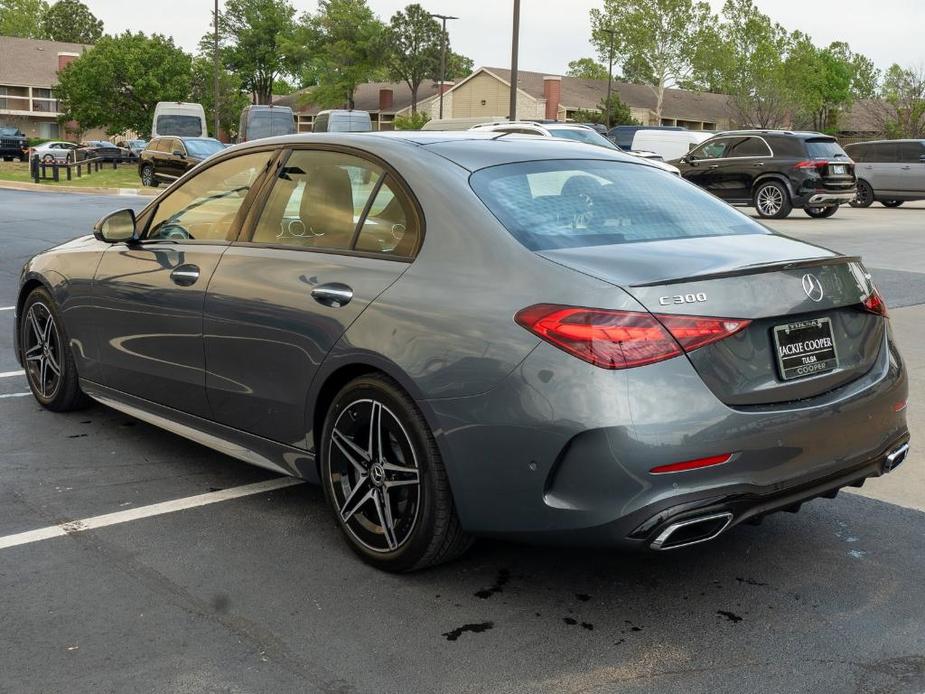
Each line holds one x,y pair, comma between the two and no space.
458,334
622,135
105,151
773,171
890,171
13,144
168,158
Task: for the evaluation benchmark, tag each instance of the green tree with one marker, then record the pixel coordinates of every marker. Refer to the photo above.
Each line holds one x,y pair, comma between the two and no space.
656,38
256,39
587,69
117,84
414,121
901,108
458,66
22,18
71,21
232,99
414,40
620,113
281,87
341,46
821,80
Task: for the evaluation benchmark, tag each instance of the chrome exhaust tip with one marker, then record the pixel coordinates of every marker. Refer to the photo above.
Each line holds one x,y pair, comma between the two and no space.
692,531
894,459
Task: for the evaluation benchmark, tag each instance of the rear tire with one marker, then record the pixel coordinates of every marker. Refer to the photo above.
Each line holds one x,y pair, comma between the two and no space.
46,353
864,196
821,212
772,201
385,481
891,203
147,176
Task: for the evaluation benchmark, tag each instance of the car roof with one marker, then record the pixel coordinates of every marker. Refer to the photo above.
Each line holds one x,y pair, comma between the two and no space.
880,142
469,149
803,134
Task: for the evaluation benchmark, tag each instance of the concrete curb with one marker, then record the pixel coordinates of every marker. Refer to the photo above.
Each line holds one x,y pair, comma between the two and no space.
89,190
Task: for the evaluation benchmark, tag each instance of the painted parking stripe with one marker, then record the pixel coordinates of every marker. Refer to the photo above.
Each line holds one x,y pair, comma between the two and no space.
8,374
14,395
77,526
7,308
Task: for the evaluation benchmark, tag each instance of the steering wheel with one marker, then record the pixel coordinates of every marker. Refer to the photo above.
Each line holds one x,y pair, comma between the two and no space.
174,232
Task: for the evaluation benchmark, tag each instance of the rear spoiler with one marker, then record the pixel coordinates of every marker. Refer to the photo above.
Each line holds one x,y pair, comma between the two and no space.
757,269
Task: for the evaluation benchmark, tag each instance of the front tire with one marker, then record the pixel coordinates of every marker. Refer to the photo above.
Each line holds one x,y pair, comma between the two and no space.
772,201
385,481
821,212
46,354
891,203
864,196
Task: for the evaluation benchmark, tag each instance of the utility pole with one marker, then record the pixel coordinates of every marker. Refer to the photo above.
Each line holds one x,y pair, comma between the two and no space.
610,33
441,87
216,72
515,46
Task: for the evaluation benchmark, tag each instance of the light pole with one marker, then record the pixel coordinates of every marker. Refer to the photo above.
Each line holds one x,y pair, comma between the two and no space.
444,18
610,34
216,69
515,44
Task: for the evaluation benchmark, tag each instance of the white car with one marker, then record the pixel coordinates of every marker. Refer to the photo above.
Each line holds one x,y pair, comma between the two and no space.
569,131
50,152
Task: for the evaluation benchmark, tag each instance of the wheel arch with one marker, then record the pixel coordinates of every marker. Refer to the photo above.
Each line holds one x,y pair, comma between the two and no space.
772,176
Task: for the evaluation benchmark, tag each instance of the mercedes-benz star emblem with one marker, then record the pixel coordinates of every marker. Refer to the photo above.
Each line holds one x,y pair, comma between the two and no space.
812,286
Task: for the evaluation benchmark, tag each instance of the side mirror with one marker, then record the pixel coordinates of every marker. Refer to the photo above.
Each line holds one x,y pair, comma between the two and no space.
178,153
116,227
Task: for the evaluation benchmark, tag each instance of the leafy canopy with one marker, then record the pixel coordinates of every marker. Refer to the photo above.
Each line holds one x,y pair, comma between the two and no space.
117,84
71,21
587,69
22,18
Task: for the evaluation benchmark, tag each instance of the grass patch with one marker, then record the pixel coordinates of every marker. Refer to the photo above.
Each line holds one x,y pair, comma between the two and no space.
126,176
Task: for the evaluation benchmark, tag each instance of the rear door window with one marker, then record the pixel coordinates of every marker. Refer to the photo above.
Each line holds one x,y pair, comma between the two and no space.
748,147
884,153
911,152
184,126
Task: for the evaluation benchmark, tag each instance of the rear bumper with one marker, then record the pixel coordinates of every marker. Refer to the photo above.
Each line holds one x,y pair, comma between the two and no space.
826,198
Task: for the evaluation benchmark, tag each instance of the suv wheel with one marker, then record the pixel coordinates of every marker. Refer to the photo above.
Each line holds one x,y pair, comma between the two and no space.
147,176
864,196
891,203
384,478
772,200
821,212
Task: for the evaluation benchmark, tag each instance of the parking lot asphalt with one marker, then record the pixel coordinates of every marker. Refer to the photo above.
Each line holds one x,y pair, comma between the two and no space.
260,594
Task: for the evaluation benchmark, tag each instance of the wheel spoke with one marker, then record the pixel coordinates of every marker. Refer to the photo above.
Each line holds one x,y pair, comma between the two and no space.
43,372
35,326
352,452
374,450
358,496
46,333
34,352
398,476
53,364
384,510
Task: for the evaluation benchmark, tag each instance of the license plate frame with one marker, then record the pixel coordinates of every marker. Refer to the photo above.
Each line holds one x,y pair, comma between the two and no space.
839,169
798,349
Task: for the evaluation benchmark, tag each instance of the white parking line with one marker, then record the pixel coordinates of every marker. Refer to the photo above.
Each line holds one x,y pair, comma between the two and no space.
72,527
7,374
7,308
14,395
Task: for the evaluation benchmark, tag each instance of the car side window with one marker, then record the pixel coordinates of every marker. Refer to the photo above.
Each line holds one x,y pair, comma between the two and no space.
748,147
884,153
165,144
710,150
204,208
320,197
911,152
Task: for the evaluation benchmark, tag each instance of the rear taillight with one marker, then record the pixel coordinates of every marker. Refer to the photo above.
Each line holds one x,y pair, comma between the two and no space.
875,304
811,164
623,339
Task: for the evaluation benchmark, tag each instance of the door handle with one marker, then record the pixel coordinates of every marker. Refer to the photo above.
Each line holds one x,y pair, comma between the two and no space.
906,168
758,165
185,275
333,294
714,166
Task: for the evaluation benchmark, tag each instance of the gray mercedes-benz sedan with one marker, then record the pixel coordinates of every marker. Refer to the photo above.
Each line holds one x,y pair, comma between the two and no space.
471,334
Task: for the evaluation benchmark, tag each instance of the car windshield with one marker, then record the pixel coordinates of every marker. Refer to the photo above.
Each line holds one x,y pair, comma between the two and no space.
203,148
582,135
182,126
573,203
824,149
9,131
269,123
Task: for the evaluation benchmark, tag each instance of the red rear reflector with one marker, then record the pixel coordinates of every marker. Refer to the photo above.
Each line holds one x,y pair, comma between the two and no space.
899,406
623,339
875,304
811,164
692,464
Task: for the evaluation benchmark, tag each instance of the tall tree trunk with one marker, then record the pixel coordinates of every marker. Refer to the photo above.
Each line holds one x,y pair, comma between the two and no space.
414,99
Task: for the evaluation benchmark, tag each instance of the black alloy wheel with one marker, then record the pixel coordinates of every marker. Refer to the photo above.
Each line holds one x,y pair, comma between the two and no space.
384,479
46,356
864,196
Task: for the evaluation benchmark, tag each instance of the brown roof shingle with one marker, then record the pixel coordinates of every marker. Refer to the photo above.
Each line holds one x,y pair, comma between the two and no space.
32,62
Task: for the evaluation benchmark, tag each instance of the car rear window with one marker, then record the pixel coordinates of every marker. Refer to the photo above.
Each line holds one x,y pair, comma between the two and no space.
182,126
269,124
824,149
574,203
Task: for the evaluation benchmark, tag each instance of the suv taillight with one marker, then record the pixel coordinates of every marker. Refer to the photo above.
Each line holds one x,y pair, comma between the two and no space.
623,339
875,304
811,164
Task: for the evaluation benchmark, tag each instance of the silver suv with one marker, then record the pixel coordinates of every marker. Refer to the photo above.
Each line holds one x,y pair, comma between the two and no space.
889,171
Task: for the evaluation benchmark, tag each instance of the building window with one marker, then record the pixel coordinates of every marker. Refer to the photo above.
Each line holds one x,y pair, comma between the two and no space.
48,131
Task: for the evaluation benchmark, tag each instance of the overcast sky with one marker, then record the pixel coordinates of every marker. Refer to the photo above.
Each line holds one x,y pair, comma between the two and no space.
553,32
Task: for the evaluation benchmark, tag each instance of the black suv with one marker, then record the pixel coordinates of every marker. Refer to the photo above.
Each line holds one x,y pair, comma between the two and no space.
773,171
168,158
13,144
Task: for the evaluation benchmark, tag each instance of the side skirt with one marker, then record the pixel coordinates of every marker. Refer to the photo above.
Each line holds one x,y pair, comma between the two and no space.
232,442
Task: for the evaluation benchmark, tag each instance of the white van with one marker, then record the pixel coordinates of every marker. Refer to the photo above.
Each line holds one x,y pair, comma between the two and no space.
180,119
342,121
669,144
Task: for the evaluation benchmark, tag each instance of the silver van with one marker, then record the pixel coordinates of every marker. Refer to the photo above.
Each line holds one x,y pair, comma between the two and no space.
342,121
889,171
265,121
